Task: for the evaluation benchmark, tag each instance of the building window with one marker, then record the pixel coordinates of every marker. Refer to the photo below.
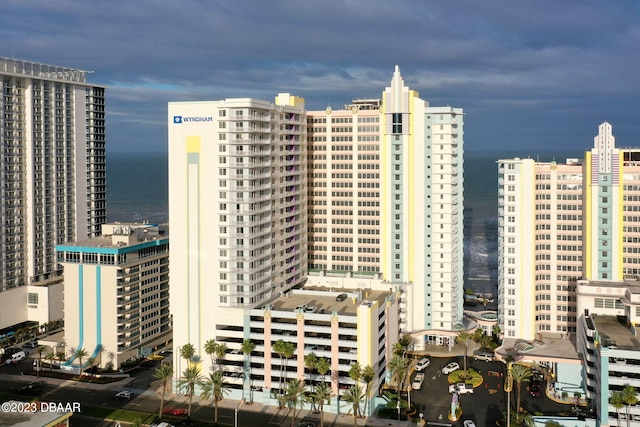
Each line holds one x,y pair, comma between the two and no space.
32,298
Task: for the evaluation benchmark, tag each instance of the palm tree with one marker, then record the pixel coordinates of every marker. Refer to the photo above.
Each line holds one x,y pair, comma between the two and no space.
354,395
163,374
398,368
213,388
278,347
137,422
247,348
90,362
190,377
288,351
368,374
321,394
187,352
39,350
630,397
464,337
323,367
577,396
355,373
220,353
80,353
51,356
310,362
520,374
210,349
295,395
617,401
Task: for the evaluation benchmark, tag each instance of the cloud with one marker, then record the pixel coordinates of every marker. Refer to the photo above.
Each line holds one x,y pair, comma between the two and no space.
567,65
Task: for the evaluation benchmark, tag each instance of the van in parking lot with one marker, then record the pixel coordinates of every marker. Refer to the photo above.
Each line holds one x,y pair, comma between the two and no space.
16,357
484,355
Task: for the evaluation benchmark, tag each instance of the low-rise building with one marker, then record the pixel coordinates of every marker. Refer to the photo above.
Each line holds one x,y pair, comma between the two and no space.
116,291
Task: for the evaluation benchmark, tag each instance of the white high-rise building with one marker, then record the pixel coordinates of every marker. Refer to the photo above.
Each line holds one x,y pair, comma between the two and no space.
53,181
237,205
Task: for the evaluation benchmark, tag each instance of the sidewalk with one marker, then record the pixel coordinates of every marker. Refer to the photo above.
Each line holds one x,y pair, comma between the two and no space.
277,416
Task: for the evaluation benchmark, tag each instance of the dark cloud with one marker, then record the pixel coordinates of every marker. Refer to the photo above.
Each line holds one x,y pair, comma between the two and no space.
541,73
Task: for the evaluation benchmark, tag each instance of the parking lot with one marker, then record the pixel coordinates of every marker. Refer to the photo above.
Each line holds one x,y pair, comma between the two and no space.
487,402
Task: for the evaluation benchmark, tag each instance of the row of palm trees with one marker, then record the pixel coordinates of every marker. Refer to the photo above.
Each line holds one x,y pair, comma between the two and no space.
626,397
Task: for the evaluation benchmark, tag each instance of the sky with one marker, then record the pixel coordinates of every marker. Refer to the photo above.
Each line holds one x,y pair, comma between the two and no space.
537,75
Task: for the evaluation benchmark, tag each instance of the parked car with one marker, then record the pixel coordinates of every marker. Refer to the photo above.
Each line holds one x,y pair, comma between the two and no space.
180,412
30,344
341,297
16,357
469,423
450,367
417,381
422,363
461,388
34,387
312,309
124,395
484,355
301,307
162,424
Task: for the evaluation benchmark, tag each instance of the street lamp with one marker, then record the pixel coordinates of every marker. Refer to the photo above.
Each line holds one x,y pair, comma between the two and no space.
236,412
421,419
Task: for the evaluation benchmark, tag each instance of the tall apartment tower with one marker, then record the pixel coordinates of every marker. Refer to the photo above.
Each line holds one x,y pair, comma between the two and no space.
237,205
344,187
53,182
559,223
422,206
540,242
385,186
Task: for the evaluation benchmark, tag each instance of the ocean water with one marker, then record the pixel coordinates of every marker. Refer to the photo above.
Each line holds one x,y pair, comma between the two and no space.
137,190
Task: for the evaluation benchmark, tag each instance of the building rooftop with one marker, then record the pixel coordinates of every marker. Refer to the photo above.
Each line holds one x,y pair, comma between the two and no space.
614,334
325,300
43,71
118,235
48,417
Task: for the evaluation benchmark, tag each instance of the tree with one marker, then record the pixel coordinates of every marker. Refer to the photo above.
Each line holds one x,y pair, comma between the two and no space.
630,397
403,345
210,349
295,395
520,374
310,362
247,348
355,373
323,367
617,401
213,388
220,353
321,394
464,337
163,374
90,362
187,352
278,347
51,356
39,350
368,374
80,353
398,368
190,377
288,351
354,395
577,396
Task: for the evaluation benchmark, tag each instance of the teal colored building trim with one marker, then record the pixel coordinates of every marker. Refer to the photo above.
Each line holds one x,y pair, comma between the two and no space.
112,251
80,313
98,312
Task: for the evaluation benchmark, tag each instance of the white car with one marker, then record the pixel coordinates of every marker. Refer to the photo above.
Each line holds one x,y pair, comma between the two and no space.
461,388
450,367
417,381
422,363
123,395
469,423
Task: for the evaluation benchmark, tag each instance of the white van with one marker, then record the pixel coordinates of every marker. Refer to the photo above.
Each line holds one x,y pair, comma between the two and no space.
16,357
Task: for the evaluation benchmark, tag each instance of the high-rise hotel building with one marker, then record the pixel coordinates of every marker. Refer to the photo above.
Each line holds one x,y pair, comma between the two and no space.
385,187
559,223
237,205
53,181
